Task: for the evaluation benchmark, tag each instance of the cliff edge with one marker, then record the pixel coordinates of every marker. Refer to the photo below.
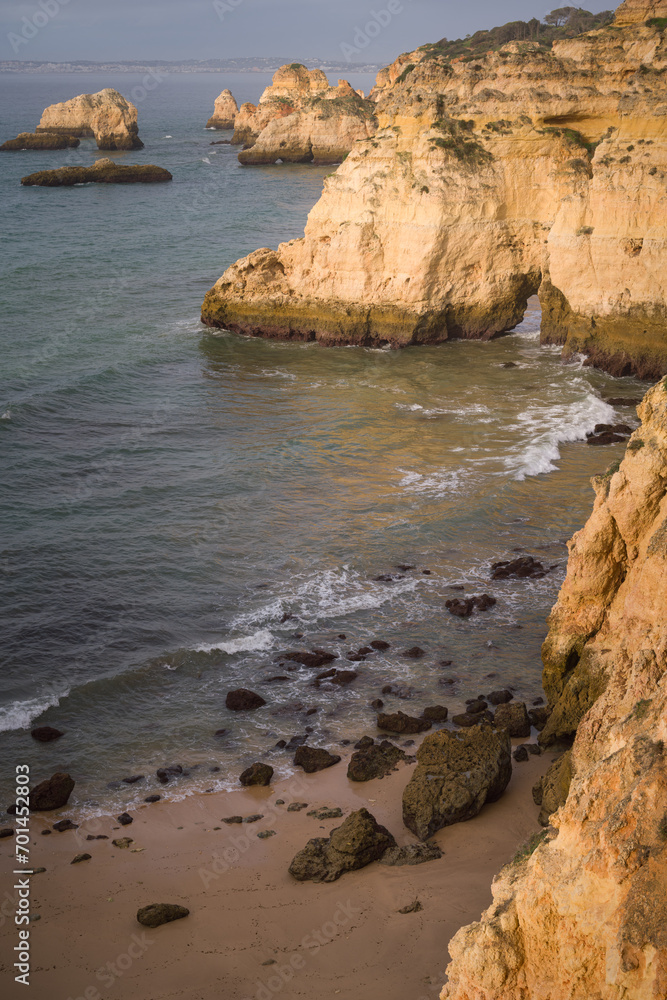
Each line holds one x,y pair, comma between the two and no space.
528,169
585,915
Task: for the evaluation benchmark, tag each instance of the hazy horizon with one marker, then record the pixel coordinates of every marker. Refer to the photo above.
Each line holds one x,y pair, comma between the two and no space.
66,30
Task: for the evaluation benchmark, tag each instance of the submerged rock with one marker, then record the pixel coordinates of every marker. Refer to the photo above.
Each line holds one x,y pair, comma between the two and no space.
313,759
103,171
106,117
243,700
257,774
46,734
399,722
522,568
464,607
52,793
359,841
165,774
39,140
156,914
456,774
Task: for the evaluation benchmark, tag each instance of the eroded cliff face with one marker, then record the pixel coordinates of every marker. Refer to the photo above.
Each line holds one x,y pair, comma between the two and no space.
225,111
640,11
585,916
301,119
106,117
528,169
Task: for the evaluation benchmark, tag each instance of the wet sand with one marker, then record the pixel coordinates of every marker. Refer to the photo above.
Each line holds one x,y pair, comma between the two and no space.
253,932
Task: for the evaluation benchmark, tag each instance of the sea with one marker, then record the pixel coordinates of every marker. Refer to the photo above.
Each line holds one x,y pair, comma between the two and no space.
179,506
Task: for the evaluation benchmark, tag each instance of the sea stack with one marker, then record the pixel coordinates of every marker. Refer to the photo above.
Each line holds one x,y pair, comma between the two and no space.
106,117
225,111
520,172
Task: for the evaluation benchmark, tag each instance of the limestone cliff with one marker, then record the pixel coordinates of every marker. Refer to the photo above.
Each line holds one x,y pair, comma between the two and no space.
584,917
640,11
225,111
301,119
528,169
106,117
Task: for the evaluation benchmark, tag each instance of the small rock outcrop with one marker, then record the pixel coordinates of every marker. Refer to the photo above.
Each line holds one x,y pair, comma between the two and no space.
513,716
156,914
374,761
53,793
225,111
359,841
106,117
301,119
257,774
399,722
456,773
243,700
313,759
46,734
103,171
39,140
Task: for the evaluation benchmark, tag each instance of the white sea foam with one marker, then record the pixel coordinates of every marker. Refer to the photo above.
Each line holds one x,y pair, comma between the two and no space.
547,427
7,415
20,714
243,644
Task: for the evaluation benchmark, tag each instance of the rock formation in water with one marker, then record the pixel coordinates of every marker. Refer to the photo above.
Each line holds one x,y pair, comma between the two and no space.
301,119
585,915
106,117
527,169
225,111
39,140
103,171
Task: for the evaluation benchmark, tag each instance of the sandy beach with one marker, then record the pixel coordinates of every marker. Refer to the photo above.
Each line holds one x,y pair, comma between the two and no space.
253,931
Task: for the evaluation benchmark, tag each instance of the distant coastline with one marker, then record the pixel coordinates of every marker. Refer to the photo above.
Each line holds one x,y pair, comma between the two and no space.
251,64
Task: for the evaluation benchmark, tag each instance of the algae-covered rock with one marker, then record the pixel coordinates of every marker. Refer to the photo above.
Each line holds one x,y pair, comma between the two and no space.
456,773
359,841
39,140
374,761
103,171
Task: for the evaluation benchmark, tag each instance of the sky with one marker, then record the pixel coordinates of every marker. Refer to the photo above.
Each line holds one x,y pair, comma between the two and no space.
344,30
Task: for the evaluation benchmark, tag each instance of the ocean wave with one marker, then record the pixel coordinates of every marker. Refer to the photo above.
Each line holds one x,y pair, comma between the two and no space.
439,484
548,427
20,714
256,642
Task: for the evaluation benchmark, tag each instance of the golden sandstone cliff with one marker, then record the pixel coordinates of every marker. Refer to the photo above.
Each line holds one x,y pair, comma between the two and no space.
106,117
528,169
225,111
584,917
301,119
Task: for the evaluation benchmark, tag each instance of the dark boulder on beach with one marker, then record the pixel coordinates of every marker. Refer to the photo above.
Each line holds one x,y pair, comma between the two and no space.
513,717
399,722
257,774
243,700
80,857
500,697
52,793
374,762
152,798
46,734
411,854
125,819
364,743
539,716
435,713
6,831
160,913
359,841
313,759
456,773
65,824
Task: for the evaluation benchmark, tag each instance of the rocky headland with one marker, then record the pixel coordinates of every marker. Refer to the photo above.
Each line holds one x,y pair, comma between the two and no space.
527,169
103,171
301,119
106,117
225,111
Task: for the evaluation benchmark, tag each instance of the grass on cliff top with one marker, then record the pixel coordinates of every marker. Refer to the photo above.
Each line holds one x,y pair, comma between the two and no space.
657,22
563,22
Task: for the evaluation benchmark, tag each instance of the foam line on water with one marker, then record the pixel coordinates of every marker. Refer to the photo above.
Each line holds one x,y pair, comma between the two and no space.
254,643
20,714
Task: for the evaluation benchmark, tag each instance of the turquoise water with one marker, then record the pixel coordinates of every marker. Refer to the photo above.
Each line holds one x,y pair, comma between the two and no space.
170,494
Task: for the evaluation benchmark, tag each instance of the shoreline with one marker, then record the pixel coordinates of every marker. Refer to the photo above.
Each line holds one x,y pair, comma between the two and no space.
253,930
